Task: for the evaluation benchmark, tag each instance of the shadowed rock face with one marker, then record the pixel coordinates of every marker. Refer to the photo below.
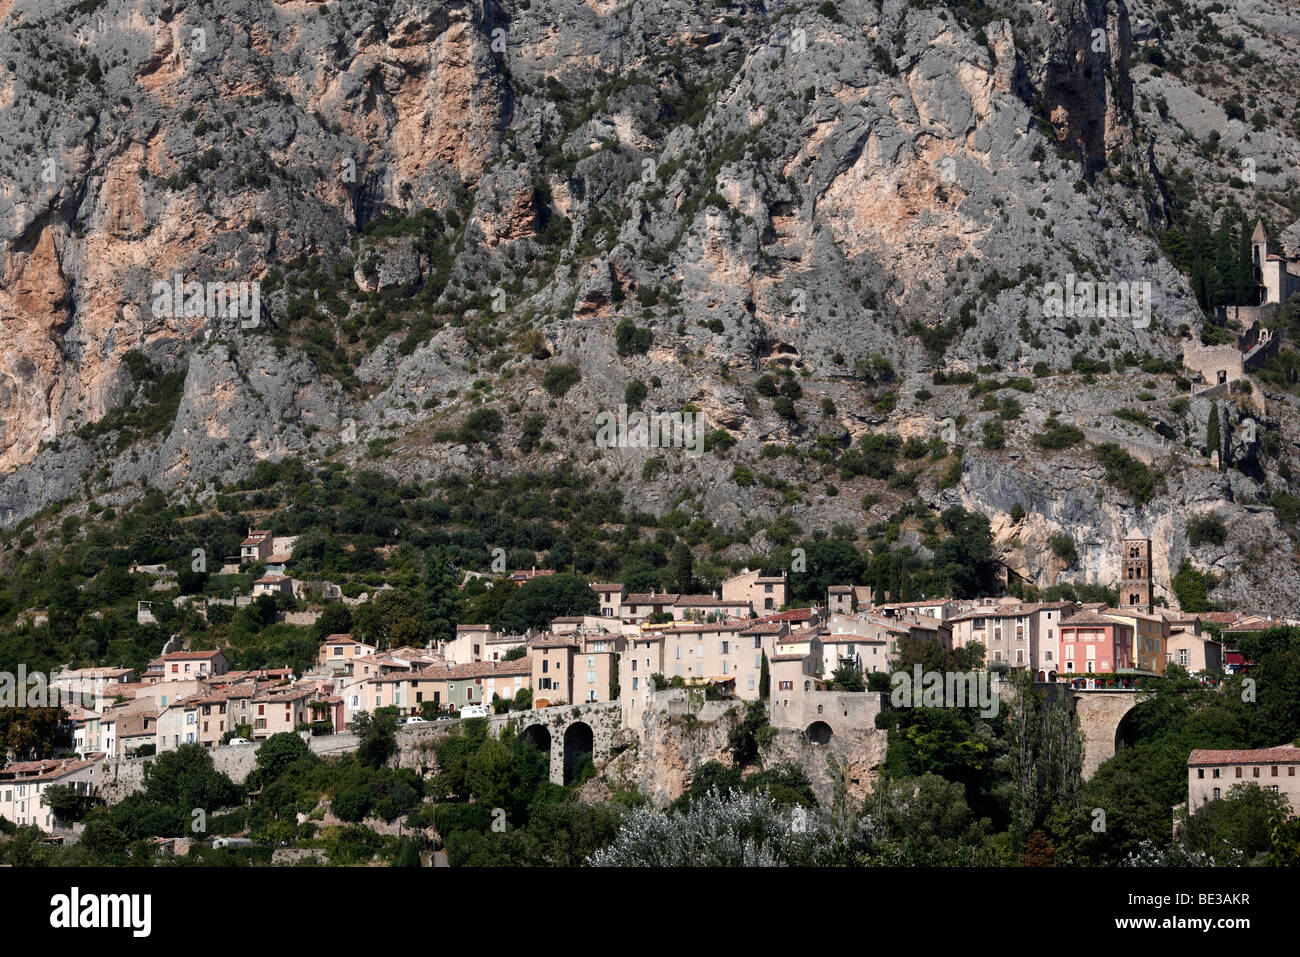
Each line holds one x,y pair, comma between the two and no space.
754,185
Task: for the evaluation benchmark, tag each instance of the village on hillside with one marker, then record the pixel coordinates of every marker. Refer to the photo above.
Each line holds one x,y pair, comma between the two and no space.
746,643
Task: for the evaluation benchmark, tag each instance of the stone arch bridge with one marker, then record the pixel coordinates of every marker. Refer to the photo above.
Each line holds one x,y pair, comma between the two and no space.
567,732
1101,714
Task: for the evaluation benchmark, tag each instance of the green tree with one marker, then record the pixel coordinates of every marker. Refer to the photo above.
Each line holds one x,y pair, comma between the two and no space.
278,752
377,733
186,778
848,678
335,619
922,820
1213,443
65,803
441,596
1241,821
683,568
387,617
631,339
543,599
1193,588
28,733
747,738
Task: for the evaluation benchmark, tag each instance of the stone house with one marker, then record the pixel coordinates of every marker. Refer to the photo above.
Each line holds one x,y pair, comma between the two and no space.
611,595
708,608
763,593
636,608
726,654
339,649
1095,644
839,600
1189,647
273,585
1025,635
280,709
1212,774
22,784
257,547
193,665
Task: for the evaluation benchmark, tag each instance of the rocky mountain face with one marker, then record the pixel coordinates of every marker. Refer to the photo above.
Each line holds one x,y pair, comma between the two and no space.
444,205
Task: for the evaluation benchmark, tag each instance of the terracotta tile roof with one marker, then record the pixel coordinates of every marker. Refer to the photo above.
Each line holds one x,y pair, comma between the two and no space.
804,634
226,693
1089,618
1220,617
794,614
477,669
238,677
840,589
529,575
1252,623
406,653
708,601
645,598
126,688
765,628
1283,754
190,655
48,769
283,694
93,673
690,627
994,611
924,621
606,586
554,641
789,657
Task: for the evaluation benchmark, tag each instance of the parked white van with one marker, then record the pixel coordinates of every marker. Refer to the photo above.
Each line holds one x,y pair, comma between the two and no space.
474,711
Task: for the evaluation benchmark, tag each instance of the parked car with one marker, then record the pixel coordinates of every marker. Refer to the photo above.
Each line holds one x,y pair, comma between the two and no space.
445,717
415,720
474,711
239,741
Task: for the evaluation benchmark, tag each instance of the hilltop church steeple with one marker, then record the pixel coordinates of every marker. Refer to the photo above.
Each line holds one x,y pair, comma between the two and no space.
1259,243
1135,582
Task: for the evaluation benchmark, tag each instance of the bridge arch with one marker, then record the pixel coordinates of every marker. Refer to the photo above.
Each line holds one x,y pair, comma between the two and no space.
538,735
1101,719
819,732
579,749
1125,732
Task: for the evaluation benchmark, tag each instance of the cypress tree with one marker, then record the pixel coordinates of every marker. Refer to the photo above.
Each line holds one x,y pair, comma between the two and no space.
764,679
441,595
1223,282
1245,277
1212,441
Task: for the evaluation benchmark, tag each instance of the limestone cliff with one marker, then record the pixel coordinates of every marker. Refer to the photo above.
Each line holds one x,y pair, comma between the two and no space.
436,194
